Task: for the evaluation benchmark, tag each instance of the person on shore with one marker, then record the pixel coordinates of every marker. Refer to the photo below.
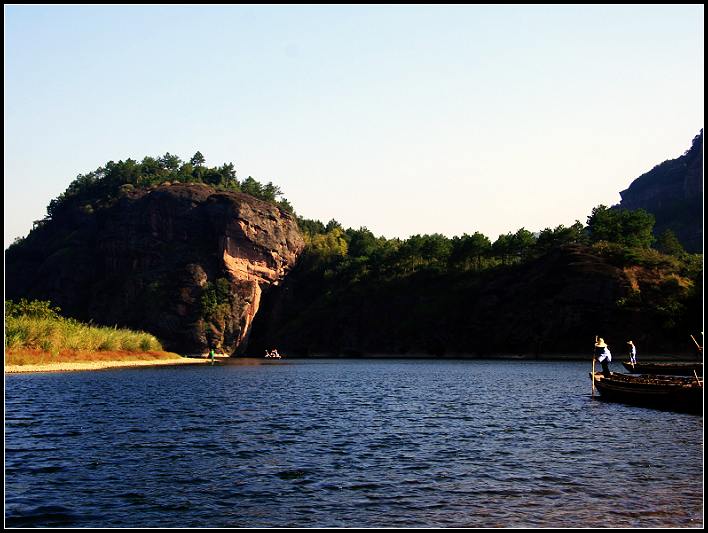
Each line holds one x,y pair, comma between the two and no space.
275,353
632,353
211,355
267,353
604,356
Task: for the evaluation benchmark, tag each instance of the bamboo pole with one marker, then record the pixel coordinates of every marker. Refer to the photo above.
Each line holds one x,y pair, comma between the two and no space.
593,368
700,348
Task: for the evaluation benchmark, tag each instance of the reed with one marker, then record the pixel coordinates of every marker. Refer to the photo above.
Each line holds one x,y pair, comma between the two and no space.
53,335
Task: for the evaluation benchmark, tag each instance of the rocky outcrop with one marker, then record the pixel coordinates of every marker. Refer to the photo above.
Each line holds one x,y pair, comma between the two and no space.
673,193
184,262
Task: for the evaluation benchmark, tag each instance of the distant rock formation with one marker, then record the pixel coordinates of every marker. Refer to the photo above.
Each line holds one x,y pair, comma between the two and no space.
187,263
673,193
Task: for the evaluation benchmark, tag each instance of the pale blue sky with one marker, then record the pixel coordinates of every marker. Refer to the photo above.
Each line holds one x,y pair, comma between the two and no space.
404,119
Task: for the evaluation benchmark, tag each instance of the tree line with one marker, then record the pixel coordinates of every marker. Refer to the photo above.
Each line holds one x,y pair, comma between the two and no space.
331,246
113,179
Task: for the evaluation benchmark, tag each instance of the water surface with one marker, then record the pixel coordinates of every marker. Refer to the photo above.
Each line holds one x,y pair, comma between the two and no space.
344,443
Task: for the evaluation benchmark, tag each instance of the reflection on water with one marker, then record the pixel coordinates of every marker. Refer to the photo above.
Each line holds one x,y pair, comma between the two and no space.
327,443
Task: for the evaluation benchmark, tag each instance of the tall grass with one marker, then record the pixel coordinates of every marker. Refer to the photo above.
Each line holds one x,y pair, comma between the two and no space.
55,334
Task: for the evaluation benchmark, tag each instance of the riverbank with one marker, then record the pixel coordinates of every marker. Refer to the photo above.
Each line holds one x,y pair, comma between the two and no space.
26,361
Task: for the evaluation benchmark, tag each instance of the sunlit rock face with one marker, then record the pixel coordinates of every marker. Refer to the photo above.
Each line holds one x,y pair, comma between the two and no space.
184,262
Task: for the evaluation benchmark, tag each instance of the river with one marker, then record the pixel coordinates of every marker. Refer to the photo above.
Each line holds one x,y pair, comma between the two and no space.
344,443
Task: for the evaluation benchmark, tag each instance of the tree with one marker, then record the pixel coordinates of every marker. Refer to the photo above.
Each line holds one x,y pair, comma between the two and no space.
436,248
252,187
638,226
546,240
549,239
521,243
332,224
170,162
270,192
576,234
604,225
149,166
470,249
228,176
502,247
197,159
285,205
212,177
329,244
362,242
668,243
627,227
310,227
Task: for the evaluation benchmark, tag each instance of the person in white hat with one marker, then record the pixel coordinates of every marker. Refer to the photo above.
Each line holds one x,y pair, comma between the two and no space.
602,351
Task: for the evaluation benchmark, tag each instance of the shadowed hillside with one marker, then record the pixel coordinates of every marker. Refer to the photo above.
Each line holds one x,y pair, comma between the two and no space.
556,303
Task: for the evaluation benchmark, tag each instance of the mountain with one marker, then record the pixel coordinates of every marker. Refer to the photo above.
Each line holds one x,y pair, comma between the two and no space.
185,262
673,192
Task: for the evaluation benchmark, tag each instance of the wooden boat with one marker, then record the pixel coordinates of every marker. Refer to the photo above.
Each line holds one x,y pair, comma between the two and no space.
675,393
673,369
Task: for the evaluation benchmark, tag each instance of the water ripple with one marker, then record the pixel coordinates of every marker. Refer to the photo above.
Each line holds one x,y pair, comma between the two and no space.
344,444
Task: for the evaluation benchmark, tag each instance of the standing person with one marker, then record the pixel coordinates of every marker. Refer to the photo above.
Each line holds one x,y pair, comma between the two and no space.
632,353
211,355
602,352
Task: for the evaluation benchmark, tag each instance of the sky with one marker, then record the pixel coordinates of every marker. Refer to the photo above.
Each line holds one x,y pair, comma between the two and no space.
402,119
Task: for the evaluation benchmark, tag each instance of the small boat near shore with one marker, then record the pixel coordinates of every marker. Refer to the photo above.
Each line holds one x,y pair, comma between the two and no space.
675,393
672,369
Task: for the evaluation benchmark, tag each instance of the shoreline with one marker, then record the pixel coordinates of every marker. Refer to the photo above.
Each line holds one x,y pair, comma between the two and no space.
654,358
75,366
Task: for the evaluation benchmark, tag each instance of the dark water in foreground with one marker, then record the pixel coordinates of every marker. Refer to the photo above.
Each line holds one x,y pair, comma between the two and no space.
344,443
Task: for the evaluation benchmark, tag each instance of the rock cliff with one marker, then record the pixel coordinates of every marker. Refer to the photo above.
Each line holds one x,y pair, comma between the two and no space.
187,263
